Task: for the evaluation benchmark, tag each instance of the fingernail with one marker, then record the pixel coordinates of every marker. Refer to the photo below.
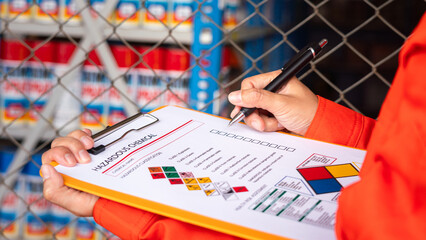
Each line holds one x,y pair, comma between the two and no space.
69,159
280,125
235,97
87,141
84,156
234,112
88,131
45,172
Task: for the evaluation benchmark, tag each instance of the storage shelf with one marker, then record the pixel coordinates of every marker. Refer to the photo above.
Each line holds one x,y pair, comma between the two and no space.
137,34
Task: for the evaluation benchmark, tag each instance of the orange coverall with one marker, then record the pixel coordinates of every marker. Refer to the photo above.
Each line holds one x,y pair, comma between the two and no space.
390,200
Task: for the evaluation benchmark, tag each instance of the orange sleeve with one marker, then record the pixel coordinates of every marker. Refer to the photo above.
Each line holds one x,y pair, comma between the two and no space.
132,223
389,202
337,124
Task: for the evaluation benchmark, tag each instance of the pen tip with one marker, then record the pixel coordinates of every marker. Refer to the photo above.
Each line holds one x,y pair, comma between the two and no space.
230,123
237,118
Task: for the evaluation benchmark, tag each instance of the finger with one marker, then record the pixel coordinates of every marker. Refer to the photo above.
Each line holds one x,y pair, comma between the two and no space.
255,121
259,81
235,111
264,123
259,98
258,121
87,131
54,190
75,146
235,98
293,85
61,155
84,137
271,124
53,183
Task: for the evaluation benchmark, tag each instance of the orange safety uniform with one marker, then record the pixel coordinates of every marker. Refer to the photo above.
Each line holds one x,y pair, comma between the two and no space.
390,200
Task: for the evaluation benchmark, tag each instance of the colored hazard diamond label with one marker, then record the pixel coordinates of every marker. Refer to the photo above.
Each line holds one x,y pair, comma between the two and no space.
325,179
155,169
186,174
224,187
169,169
230,196
158,175
207,186
314,173
193,187
226,191
325,185
190,181
344,170
204,180
240,189
172,175
175,181
211,192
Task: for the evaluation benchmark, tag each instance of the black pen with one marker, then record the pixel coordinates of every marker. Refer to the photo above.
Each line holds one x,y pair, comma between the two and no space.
290,69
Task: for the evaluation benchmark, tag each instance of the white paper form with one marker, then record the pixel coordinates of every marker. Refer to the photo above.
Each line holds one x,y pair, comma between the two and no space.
193,167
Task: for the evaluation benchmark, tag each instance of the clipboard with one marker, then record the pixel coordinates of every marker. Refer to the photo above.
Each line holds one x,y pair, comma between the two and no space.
116,127
259,171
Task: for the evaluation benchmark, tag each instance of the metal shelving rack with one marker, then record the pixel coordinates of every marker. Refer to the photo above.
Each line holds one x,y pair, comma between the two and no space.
205,40
130,34
92,31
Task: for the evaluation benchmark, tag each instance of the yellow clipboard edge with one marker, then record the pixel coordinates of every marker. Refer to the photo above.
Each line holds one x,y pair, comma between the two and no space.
168,211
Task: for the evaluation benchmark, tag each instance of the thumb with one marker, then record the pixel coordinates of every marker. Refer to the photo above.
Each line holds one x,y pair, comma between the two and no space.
54,190
52,182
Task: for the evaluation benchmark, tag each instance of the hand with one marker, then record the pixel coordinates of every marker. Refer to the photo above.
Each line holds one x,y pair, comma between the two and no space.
68,151
293,107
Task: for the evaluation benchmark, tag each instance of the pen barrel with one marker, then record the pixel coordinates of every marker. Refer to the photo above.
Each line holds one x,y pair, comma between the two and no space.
288,72
247,111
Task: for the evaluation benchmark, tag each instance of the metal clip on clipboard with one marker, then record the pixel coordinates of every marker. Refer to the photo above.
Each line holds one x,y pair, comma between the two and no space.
111,129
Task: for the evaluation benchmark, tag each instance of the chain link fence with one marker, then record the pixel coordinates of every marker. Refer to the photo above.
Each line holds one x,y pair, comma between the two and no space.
71,64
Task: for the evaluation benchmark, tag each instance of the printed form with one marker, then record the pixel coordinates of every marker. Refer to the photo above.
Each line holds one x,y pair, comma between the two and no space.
191,166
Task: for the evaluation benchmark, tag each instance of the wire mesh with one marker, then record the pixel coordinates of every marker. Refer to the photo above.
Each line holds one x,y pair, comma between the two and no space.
63,70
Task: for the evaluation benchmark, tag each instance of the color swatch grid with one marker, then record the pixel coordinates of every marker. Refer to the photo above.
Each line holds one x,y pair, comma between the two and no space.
326,179
193,184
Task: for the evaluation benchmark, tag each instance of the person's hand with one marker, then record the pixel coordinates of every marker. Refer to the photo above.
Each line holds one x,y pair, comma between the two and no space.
293,108
68,151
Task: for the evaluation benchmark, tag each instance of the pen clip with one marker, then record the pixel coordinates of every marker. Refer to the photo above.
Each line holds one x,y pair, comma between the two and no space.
110,129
